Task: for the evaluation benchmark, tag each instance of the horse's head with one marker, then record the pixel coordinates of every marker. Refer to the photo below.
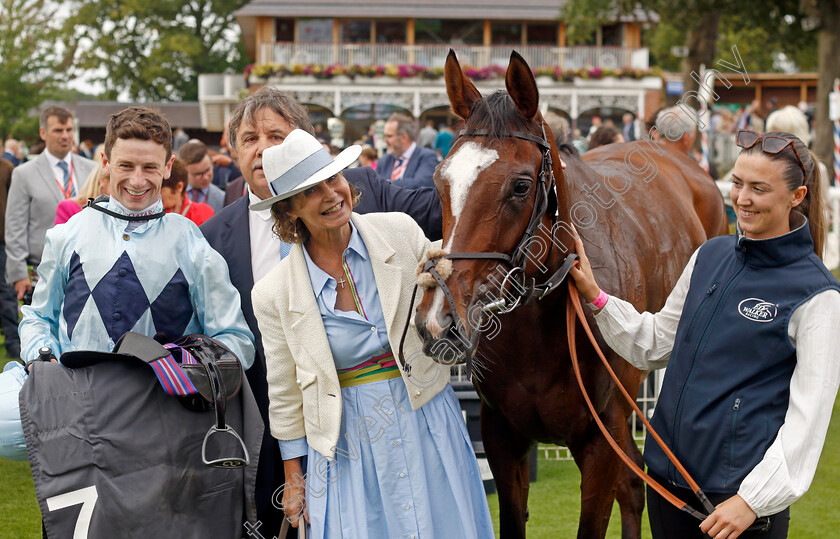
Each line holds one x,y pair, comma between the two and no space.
495,186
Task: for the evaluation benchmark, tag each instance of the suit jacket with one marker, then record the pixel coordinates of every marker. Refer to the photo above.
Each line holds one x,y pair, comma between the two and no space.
418,172
234,190
381,195
215,198
10,157
30,210
309,403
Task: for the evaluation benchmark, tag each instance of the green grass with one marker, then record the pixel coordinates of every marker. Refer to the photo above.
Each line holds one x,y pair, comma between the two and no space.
554,500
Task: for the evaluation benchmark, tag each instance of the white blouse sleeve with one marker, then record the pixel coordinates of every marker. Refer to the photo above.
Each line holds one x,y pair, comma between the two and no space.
788,466
645,339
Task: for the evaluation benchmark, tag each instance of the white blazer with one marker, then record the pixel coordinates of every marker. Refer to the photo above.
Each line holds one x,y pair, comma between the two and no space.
303,390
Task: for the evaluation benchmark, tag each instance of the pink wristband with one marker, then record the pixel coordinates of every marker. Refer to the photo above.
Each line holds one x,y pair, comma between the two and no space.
599,302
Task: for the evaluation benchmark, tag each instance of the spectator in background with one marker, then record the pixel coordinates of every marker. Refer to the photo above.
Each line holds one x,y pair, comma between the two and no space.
179,139
628,129
369,138
427,136
322,135
603,136
596,123
86,149
175,199
559,125
578,141
8,298
405,161
37,187
97,183
368,157
676,129
35,150
444,141
10,152
225,169
200,169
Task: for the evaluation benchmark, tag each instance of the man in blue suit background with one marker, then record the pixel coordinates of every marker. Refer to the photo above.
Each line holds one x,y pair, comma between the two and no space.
245,240
406,163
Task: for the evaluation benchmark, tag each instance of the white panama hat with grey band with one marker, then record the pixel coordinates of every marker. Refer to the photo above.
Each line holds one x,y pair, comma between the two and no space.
297,164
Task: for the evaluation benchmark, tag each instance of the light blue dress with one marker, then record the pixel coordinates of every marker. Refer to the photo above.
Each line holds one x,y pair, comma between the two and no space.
397,472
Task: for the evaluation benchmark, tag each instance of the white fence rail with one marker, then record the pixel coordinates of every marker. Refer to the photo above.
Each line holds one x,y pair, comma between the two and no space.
435,55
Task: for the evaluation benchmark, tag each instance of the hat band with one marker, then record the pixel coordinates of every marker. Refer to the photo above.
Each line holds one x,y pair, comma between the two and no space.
301,172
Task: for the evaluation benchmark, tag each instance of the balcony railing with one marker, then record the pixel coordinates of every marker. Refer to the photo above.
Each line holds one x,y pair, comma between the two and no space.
435,55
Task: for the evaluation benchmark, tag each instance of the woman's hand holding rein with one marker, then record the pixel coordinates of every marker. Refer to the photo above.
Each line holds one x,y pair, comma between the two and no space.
582,273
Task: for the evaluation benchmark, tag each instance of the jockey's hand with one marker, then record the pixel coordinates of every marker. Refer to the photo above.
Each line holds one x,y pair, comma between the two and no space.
294,492
582,272
729,519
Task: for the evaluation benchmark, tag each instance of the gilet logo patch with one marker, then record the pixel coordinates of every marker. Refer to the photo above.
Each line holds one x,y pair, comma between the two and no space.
757,310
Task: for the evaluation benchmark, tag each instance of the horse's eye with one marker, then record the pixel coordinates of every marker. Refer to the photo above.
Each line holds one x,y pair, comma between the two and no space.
521,188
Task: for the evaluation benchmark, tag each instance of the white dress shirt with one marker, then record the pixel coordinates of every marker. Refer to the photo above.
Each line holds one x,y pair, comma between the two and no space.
788,467
267,250
58,173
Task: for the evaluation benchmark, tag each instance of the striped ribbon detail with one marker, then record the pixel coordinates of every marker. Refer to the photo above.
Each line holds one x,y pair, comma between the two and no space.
169,373
837,140
382,367
359,307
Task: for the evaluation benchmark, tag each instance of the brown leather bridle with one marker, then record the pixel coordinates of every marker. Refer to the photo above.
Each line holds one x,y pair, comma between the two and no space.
519,293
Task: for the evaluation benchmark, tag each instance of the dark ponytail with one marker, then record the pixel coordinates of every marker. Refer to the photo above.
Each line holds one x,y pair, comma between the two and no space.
814,206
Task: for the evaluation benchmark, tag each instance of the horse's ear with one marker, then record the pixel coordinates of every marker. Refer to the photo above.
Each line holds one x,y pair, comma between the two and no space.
521,86
462,93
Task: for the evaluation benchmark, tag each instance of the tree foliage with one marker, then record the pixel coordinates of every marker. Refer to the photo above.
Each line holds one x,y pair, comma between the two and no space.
761,34
155,49
30,61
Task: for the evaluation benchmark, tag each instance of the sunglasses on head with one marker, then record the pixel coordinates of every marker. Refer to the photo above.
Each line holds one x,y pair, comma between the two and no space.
771,144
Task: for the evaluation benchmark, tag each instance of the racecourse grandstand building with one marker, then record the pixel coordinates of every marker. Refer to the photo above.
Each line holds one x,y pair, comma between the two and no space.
360,60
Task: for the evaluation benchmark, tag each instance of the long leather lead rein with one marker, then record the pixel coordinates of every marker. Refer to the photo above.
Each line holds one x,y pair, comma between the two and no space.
574,308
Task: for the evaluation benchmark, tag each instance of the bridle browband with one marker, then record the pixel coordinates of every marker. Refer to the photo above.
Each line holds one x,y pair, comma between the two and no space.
519,293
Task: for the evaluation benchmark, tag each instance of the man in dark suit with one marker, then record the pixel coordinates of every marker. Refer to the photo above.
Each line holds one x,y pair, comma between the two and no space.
260,121
406,162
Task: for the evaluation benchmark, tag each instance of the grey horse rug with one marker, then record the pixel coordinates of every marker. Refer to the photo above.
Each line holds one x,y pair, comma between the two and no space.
113,455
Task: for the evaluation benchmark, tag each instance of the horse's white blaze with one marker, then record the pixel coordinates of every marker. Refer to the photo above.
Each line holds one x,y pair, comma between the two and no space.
432,324
460,171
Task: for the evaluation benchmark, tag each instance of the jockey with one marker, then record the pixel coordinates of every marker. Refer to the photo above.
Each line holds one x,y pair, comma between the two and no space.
125,265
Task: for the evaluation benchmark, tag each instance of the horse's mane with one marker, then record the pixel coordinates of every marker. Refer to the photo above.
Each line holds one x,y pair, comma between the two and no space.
498,115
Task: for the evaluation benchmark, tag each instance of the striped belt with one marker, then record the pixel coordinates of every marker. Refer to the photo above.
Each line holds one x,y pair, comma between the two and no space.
381,367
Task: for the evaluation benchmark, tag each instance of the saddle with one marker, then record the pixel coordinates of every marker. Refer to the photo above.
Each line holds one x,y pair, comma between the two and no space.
203,374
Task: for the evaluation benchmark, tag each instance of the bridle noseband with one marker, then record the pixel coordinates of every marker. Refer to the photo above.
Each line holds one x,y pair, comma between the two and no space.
520,291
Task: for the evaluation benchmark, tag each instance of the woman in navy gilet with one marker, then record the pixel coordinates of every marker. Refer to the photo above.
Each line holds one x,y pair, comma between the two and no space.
749,336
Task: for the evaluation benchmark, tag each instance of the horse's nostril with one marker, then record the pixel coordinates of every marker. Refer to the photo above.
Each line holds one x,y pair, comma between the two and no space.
446,321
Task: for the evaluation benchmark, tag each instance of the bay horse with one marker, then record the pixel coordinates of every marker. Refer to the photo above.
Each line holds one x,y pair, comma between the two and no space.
641,211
